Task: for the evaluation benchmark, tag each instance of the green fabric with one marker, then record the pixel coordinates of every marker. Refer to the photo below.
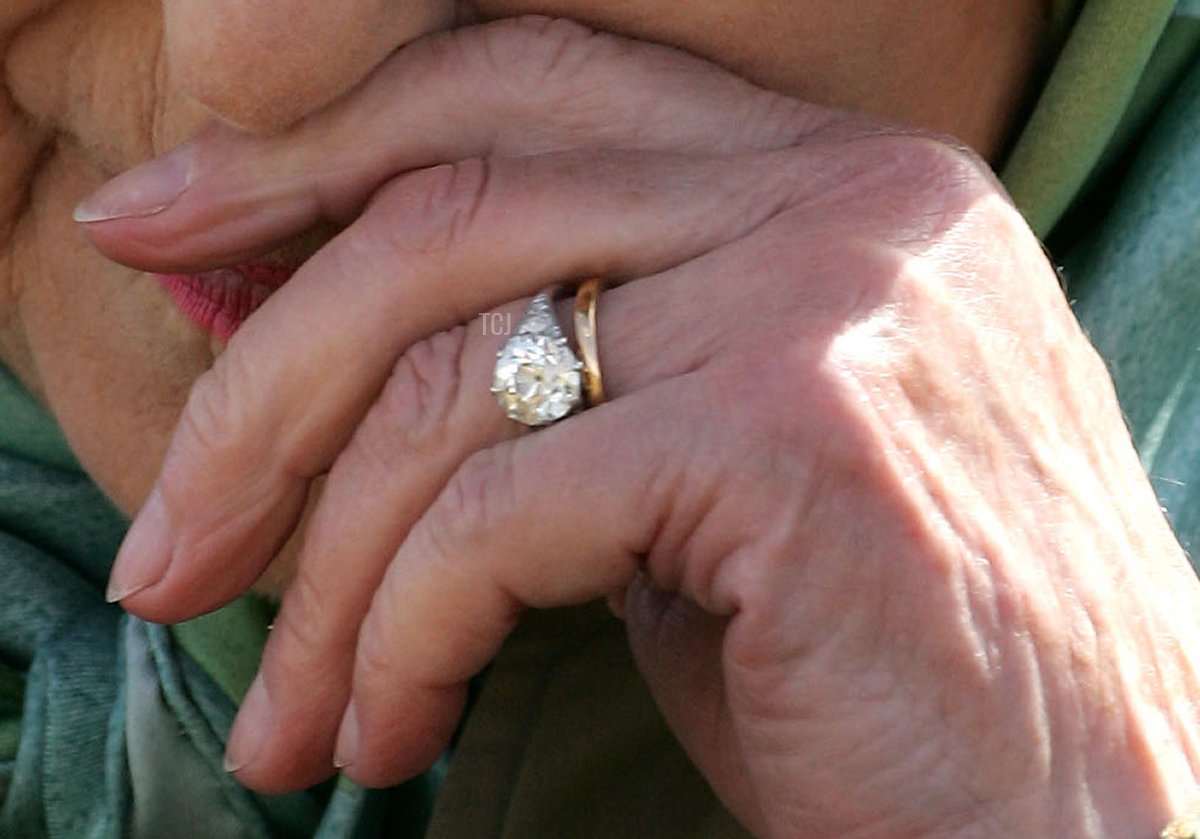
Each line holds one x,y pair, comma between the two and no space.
1171,57
1062,15
564,740
1136,283
109,727
27,430
229,642
1077,114
60,511
12,695
118,731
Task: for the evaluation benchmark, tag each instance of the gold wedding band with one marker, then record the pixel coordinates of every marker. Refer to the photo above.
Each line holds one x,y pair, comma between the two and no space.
585,337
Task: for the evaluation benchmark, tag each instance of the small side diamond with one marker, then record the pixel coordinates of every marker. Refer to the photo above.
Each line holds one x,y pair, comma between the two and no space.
539,318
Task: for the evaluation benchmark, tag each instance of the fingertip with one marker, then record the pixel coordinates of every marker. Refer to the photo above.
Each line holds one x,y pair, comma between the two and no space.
297,772
285,767
194,586
283,739
157,607
346,750
213,201
400,740
146,553
227,528
145,190
210,228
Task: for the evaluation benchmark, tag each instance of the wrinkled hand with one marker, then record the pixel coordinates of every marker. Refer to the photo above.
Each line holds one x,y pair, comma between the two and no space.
862,490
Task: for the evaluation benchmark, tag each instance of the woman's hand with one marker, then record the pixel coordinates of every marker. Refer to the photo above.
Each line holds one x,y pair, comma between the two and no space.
862,489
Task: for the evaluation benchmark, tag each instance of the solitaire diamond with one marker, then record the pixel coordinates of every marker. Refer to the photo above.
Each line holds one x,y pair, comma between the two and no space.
537,379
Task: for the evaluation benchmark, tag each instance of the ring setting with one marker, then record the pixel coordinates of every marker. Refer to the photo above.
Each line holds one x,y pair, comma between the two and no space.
538,379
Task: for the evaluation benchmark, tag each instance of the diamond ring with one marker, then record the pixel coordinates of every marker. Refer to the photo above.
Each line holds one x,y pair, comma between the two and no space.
537,378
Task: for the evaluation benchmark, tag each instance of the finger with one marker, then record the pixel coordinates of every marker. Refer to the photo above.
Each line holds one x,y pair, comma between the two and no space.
437,247
377,488
435,411
509,89
267,63
655,480
550,519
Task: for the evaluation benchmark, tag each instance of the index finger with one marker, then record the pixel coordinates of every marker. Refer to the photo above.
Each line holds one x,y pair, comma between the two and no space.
511,88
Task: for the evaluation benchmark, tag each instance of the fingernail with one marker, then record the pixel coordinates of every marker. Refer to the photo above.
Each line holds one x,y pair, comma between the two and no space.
145,553
145,190
346,749
249,732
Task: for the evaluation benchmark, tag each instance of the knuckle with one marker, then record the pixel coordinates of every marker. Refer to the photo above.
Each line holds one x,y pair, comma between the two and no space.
222,424
221,466
419,402
940,182
471,505
299,634
934,165
432,212
906,187
558,74
374,657
819,334
214,411
532,52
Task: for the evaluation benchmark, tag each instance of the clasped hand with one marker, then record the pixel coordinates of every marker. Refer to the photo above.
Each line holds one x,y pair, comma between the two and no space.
862,491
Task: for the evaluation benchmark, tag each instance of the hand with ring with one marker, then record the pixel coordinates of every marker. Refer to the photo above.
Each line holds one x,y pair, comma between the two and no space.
858,483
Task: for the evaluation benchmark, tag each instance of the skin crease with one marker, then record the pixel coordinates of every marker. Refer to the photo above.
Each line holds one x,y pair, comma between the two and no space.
958,67
102,346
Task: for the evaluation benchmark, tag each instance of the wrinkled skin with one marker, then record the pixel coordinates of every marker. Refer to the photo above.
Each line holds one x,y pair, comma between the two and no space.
91,89
863,492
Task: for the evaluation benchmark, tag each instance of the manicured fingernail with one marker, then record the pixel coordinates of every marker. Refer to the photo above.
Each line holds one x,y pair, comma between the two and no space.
346,749
142,191
249,733
145,553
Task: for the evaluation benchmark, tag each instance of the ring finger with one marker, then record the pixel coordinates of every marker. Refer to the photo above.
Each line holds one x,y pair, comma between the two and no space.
434,412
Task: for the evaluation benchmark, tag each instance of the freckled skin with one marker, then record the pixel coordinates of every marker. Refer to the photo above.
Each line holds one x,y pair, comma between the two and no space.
90,90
